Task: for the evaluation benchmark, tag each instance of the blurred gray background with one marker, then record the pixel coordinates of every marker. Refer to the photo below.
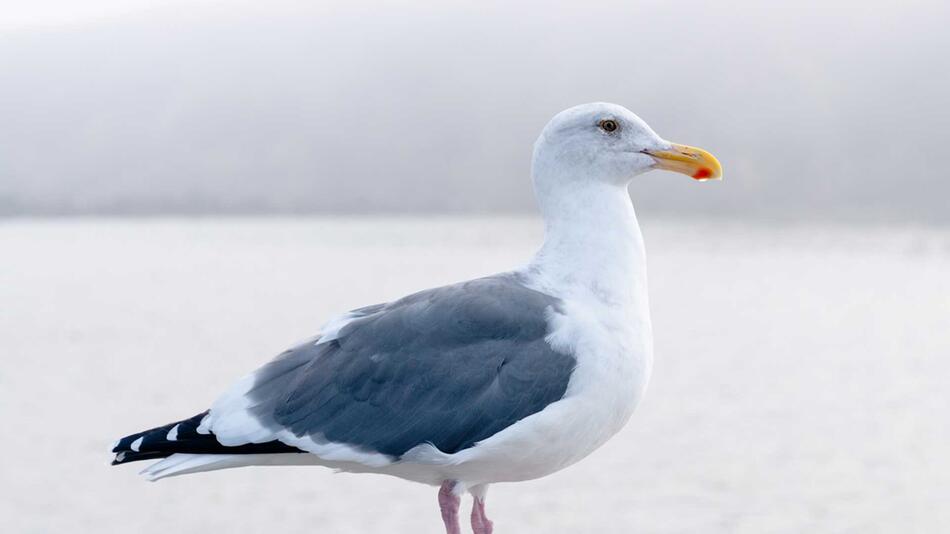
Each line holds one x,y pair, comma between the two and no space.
818,110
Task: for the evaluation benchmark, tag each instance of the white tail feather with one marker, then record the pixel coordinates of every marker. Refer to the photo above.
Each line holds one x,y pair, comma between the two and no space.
185,464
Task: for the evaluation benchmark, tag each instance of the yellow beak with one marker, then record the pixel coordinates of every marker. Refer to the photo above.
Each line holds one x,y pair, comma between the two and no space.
691,161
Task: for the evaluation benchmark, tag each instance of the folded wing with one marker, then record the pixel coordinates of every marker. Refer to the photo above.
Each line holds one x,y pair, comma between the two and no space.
449,367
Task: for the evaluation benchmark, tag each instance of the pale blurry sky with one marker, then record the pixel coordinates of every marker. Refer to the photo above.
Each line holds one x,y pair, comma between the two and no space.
832,109
19,14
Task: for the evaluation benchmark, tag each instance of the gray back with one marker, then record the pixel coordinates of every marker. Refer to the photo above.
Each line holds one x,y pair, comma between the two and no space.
449,366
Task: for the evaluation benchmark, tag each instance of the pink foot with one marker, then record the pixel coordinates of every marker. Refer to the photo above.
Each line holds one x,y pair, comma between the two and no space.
480,522
449,504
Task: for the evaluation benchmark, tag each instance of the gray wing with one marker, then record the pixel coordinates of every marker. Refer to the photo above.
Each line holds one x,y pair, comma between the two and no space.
449,366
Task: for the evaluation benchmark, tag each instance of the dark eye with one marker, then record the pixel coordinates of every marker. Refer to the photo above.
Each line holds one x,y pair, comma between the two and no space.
608,125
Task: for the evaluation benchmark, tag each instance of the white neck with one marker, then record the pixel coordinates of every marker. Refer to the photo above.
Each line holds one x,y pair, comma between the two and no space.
593,246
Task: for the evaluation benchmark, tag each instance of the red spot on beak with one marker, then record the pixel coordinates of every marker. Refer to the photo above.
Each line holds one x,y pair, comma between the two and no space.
702,173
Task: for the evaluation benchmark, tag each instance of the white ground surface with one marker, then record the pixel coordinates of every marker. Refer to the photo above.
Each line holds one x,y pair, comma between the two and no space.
801,379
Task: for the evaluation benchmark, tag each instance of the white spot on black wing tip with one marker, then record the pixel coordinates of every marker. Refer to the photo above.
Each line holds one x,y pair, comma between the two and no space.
204,425
119,458
172,434
137,444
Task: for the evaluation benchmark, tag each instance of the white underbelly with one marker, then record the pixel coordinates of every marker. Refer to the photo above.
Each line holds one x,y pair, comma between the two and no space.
613,368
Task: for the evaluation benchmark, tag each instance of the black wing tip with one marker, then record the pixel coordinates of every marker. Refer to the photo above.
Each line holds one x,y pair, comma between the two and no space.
156,443
124,457
153,443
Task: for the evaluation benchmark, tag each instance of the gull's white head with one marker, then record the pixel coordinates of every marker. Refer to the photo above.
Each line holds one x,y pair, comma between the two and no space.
607,143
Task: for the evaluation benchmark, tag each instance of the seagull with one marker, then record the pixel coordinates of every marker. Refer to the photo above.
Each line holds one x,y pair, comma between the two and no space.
505,378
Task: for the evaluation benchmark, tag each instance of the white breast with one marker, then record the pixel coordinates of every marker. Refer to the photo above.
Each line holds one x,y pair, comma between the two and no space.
614,351
614,360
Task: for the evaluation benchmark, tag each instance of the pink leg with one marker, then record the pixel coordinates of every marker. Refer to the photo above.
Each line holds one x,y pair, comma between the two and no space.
480,522
449,504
